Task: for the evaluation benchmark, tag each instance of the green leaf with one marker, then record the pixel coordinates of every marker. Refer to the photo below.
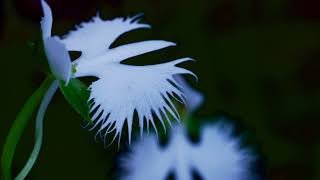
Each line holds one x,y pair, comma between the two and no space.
18,128
38,131
77,94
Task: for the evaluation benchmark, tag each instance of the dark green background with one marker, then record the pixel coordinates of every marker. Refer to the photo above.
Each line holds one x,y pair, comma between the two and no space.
257,60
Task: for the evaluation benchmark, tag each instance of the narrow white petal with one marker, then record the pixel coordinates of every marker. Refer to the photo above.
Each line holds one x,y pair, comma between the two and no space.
97,35
121,89
123,52
46,22
216,156
89,66
58,58
194,98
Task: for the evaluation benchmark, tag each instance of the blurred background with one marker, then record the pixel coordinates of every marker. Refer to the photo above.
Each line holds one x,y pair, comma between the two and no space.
258,61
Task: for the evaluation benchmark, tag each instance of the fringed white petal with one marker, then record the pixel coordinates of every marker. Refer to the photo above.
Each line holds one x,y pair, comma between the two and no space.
217,156
46,22
58,58
227,161
97,35
116,55
194,98
123,52
148,161
122,89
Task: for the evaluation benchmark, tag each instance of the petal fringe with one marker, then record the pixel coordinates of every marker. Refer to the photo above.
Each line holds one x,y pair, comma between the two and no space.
97,35
123,89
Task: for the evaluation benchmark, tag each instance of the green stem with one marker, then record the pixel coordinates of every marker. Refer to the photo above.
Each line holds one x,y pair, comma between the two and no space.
18,127
39,130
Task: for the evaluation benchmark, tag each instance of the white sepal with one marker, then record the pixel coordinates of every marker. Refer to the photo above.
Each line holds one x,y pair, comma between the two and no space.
46,21
58,58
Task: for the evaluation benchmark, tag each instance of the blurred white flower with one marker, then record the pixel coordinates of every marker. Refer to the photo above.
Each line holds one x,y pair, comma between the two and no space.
120,89
193,98
216,156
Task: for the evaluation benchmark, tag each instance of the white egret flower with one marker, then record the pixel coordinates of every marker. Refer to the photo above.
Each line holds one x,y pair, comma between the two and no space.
120,89
216,156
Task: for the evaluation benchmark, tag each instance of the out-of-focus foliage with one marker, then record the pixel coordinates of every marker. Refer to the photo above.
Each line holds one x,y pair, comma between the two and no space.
258,61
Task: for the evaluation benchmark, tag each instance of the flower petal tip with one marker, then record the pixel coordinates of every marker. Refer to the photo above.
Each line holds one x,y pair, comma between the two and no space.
46,21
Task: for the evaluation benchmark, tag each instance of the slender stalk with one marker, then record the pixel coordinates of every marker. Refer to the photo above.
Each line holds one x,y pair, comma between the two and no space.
18,127
39,130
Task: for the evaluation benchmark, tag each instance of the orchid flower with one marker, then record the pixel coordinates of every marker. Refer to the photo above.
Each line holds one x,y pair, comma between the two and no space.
216,156
119,91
